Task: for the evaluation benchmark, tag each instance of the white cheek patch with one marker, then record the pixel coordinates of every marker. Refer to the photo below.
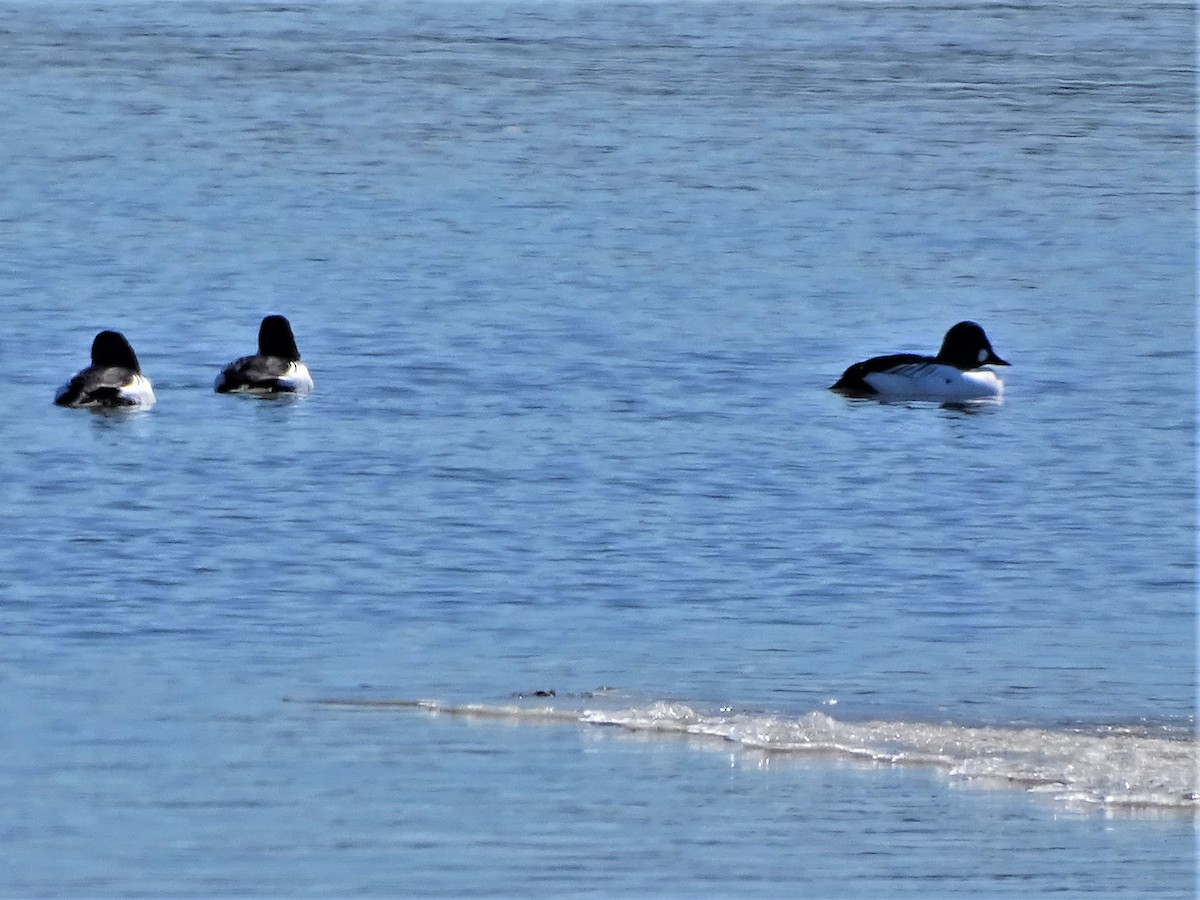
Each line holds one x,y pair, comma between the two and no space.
982,355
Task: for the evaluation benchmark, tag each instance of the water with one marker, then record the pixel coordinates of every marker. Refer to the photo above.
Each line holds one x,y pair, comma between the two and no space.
572,280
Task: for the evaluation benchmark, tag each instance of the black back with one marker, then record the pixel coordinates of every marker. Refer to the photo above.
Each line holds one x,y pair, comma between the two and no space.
852,380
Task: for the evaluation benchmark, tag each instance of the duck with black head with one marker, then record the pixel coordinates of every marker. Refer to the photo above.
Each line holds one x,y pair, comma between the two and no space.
275,370
114,380
956,374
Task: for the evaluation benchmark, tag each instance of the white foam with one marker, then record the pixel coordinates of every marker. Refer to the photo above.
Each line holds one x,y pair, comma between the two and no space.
1111,768
1115,768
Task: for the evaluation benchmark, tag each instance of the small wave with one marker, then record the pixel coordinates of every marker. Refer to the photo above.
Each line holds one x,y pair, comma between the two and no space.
1114,768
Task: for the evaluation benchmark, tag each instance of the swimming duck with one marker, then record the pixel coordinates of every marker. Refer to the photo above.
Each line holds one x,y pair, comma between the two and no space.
955,374
275,369
114,380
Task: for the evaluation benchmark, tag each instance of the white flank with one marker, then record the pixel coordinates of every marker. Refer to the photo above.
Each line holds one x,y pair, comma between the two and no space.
139,391
930,381
297,378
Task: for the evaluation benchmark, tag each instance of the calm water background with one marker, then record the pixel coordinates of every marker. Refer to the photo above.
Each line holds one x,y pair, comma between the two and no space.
572,279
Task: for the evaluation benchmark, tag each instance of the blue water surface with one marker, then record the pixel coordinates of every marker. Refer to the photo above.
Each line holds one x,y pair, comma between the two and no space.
572,280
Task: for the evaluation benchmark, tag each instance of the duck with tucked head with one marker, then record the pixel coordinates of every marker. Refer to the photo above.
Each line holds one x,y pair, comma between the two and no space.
955,374
275,369
114,380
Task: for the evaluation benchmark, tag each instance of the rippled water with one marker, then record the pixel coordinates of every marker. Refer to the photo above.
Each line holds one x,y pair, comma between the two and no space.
572,279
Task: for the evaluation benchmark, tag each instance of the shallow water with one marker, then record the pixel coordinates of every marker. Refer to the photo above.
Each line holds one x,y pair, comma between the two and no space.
572,280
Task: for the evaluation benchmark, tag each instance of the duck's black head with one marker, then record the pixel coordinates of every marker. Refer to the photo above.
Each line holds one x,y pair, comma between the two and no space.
111,349
275,338
967,347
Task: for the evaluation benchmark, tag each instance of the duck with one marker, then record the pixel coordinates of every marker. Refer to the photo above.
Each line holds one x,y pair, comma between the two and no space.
275,369
956,374
114,380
